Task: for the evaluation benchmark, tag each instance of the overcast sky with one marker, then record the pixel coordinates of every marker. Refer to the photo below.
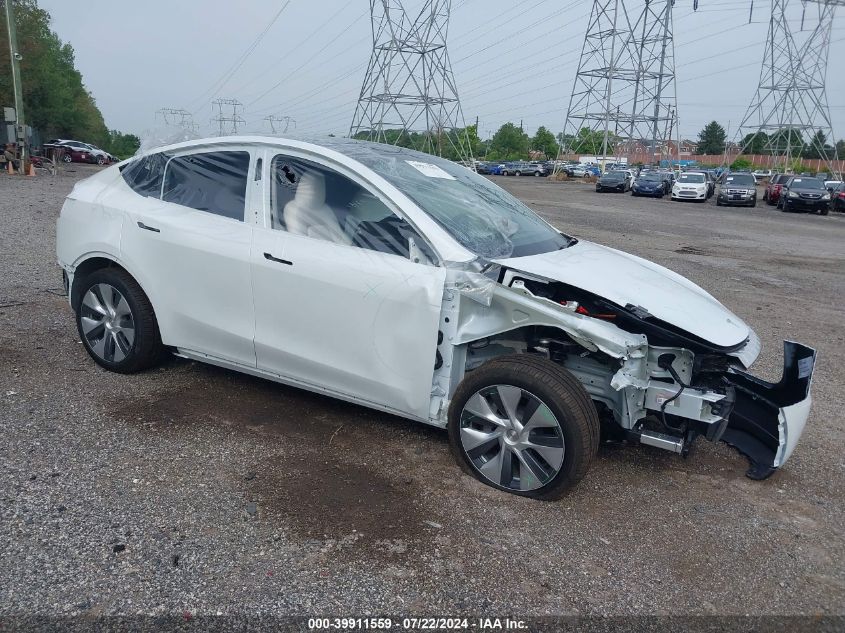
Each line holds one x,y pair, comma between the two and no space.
513,59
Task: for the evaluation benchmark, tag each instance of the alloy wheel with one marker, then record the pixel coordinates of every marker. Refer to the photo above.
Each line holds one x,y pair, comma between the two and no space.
511,437
107,322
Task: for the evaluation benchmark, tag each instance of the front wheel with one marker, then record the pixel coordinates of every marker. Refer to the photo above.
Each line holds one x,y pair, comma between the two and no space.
67,158
525,425
116,322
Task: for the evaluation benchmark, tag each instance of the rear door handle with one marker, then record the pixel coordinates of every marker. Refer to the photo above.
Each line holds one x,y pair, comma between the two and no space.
269,257
141,225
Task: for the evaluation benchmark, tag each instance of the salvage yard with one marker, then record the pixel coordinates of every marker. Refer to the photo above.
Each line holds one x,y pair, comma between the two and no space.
194,489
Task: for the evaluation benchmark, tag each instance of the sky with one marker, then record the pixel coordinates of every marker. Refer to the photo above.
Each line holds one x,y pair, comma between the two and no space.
513,60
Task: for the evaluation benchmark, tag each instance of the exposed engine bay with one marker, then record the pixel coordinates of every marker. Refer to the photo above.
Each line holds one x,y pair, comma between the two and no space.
651,381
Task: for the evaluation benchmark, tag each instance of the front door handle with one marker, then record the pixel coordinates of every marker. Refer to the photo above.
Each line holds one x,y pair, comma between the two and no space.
268,256
141,225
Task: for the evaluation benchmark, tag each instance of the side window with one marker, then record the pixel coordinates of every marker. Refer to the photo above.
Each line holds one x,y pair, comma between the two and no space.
145,174
312,200
214,182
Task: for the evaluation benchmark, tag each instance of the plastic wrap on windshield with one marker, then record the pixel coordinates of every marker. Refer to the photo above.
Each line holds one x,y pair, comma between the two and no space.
164,135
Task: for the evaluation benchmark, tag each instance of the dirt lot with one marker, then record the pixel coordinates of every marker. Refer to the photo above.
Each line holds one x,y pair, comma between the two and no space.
191,488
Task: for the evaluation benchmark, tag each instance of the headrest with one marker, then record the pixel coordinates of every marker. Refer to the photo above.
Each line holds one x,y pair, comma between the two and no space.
311,189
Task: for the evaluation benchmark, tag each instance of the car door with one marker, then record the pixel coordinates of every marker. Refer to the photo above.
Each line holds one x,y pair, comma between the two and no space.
186,239
347,312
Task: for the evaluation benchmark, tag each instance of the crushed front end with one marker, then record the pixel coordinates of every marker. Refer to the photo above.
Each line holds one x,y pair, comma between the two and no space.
653,382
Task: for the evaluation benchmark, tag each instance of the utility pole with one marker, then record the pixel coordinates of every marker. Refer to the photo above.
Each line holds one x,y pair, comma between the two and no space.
626,74
17,87
409,93
790,105
178,117
234,119
273,120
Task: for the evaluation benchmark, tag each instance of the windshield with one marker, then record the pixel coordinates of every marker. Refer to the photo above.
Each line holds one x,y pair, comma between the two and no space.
740,180
616,174
650,177
806,183
691,178
482,217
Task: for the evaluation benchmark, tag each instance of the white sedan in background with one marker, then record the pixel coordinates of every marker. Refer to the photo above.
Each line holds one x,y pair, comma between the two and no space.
409,284
690,185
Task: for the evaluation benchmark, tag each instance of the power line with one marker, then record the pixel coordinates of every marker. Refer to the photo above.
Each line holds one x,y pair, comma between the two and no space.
217,85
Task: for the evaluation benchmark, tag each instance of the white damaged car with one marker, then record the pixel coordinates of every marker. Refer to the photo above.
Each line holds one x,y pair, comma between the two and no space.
407,283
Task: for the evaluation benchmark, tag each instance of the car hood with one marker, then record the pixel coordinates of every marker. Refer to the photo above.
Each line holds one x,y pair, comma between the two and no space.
626,279
648,183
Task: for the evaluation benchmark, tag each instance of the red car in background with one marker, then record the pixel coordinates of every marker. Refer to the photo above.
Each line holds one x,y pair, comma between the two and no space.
772,193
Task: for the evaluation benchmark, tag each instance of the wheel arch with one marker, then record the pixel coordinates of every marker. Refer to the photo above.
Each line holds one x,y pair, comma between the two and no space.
92,263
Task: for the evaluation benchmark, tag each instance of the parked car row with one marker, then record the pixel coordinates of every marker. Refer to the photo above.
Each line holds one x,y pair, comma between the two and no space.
79,152
805,193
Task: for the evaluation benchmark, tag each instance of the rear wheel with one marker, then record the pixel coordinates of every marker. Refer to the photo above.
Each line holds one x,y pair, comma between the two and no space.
517,173
524,425
116,322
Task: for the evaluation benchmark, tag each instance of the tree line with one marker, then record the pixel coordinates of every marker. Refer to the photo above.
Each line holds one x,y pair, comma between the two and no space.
56,101
713,138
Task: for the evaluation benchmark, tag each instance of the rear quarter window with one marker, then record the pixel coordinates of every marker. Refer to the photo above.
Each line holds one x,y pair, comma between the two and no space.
145,175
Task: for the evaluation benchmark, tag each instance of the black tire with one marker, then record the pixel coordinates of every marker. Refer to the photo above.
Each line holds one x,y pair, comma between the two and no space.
537,174
517,173
505,172
146,349
67,158
101,160
824,212
718,202
560,391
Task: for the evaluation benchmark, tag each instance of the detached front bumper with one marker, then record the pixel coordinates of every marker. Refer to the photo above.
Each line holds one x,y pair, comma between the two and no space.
768,418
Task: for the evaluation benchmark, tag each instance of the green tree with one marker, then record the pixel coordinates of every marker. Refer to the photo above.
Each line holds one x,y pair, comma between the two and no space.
818,147
545,142
711,140
122,145
56,101
589,141
741,164
786,141
756,143
840,149
509,143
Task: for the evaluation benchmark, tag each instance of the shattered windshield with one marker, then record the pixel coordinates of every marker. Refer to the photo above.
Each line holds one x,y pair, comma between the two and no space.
482,217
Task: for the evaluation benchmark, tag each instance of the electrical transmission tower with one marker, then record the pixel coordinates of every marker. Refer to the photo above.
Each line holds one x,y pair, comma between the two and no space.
178,117
276,123
624,97
227,122
789,113
409,96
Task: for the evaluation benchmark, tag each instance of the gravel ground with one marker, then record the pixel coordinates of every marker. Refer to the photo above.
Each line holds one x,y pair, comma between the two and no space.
194,489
